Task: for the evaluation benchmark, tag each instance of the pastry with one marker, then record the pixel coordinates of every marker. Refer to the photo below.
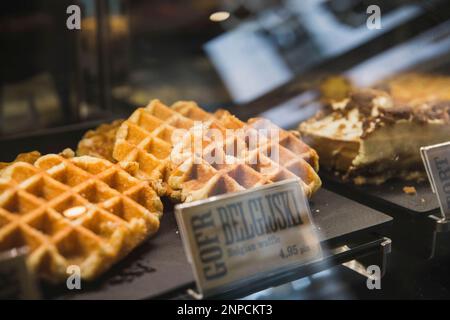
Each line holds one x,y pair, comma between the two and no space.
416,88
236,164
160,139
81,211
29,157
369,138
100,141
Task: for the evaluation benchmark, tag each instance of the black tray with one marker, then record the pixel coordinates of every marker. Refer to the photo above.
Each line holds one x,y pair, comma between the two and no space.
159,268
388,197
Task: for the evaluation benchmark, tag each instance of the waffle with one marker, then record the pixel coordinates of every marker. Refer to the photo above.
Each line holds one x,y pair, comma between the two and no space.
29,157
100,141
233,164
80,211
147,138
287,140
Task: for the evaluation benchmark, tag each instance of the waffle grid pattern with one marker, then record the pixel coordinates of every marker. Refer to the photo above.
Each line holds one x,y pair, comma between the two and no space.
117,212
146,137
235,163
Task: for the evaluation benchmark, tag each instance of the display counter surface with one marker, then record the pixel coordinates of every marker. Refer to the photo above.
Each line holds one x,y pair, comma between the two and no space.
159,267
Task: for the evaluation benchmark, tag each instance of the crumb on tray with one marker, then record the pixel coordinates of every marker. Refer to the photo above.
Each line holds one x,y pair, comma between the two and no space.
409,190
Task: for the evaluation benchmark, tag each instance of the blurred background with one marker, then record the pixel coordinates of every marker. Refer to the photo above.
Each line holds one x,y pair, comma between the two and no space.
250,56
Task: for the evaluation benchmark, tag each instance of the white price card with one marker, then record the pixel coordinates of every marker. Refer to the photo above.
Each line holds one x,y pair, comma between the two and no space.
235,239
16,282
436,159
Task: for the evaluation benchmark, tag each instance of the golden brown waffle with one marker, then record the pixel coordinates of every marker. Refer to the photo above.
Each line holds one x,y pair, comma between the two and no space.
147,138
29,157
234,164
80,211
253,166
287,140
100,141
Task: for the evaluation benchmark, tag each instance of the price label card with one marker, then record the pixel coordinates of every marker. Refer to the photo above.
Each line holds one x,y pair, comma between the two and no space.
234,240
436,159
16,282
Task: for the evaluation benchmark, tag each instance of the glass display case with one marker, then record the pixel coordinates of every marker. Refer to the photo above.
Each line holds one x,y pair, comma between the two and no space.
354,88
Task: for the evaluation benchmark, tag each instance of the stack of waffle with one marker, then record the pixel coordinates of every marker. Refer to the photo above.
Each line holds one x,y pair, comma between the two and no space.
93,209
173,145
